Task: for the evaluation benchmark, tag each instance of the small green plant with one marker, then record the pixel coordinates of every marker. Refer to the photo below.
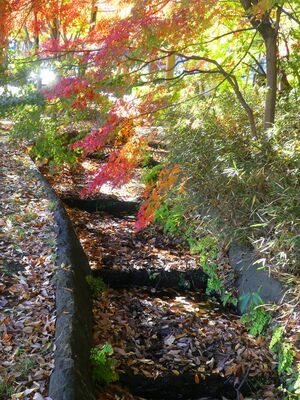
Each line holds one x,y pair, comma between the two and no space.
286,358
170,217
96,284
293,384
26,366
257,318
29,216
207,248
216,286
104,367
284,350
183,283
247,300
51,205
286,353
6,390
276,339
151,174
153,275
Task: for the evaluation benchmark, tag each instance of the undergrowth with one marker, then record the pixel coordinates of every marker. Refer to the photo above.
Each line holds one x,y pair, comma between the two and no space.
6,390
44,128
287,368
245,187
255,316
173,219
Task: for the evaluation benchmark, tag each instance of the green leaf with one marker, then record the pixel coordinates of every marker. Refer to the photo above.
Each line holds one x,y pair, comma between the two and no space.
244,300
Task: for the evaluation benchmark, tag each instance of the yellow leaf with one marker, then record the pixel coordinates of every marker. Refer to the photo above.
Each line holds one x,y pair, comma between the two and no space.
196,378
175,372
261,8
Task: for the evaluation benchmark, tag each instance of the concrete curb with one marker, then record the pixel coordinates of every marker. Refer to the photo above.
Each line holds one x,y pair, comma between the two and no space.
72,377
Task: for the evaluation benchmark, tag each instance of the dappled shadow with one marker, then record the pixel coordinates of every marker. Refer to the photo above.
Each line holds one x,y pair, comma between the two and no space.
111,242
181,340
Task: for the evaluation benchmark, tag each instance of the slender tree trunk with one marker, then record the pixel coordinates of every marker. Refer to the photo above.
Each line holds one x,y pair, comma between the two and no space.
93,18
28,44
37,48
269,34
270,40
170,66
55,29
3,32
3,59
233,82
93,21
36,33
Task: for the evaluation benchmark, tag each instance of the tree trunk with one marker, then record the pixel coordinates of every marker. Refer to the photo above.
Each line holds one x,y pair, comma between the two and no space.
93,18
269,34
3,32
55,29
270,102
170,66
93,21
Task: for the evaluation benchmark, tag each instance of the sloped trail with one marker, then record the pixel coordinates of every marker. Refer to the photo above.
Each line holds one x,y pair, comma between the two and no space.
170,341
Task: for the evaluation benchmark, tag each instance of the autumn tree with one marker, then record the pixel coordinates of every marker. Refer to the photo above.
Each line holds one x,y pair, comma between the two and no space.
164,53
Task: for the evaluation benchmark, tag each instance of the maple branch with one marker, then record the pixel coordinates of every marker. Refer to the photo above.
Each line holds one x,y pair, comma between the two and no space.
145,63
228,76
258,71
179,102
234,84
258,64
290,15
180,76
23,23
225,34
213,39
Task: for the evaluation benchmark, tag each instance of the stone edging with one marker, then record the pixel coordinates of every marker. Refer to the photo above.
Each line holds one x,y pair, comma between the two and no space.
251,277
71,378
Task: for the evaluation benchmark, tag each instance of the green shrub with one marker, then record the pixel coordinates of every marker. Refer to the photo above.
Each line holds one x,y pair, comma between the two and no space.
150,175
284,350
170,217
293,384
286,353
257,318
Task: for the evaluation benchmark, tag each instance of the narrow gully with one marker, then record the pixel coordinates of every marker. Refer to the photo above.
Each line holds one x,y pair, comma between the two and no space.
170,341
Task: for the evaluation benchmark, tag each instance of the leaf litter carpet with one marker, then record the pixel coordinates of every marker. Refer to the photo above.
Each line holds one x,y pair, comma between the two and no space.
161,334
27,267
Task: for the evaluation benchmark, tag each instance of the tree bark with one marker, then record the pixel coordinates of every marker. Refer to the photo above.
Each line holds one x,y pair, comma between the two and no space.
55,29
3,32
93,18
269,34
272,73
170,66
